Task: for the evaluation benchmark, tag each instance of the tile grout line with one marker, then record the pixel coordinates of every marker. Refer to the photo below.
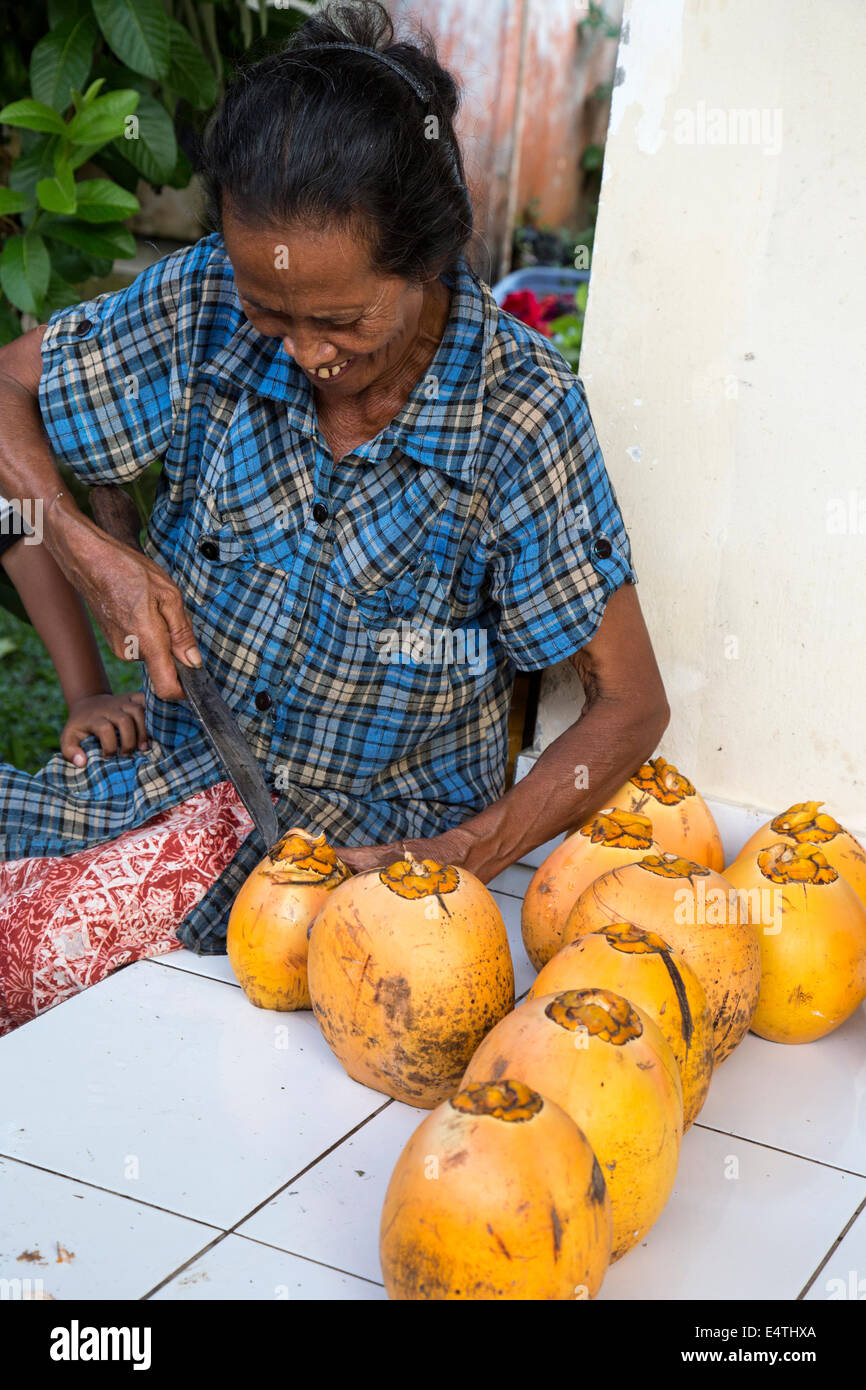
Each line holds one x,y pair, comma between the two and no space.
254,1240
109,1191
833,1248
232,1230
774,1148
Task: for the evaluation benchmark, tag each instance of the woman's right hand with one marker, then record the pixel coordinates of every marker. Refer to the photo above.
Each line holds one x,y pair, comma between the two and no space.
139,609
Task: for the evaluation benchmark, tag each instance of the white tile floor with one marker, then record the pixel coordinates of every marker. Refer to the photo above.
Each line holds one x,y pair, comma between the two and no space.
159,1137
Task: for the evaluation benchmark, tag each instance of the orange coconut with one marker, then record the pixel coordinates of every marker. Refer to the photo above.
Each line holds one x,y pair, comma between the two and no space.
409,967
642,967
805,824
681,820
267,931
701,916
813,958
606,1063
497,1195
610,839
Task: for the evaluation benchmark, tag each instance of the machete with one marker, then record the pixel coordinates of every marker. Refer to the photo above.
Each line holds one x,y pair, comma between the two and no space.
116,513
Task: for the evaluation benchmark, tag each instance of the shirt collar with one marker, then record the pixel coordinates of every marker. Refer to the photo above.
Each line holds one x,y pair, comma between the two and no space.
440,424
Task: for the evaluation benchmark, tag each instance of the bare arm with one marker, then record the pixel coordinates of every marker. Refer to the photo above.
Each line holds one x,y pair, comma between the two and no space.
61,620
127,593
624,715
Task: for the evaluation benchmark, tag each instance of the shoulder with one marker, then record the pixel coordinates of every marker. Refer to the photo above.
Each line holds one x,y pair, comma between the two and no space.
191,288
536,411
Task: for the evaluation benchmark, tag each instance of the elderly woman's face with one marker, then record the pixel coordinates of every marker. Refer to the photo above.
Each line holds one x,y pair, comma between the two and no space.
345,325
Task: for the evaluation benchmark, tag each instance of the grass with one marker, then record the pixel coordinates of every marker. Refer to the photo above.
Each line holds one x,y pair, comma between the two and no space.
32,708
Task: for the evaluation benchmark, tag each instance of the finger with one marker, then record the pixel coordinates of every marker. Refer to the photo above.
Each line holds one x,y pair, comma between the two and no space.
181,636
156,654
105,732
128,731
70,745
134,707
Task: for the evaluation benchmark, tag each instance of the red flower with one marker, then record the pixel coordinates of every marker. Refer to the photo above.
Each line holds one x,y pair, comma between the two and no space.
524,306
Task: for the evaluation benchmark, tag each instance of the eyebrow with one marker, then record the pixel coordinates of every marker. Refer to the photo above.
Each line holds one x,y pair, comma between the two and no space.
318,318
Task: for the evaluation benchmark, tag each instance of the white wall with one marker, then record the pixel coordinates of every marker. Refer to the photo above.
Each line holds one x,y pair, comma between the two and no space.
725,363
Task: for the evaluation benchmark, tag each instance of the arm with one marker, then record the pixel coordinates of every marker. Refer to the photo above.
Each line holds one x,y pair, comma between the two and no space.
128,594
624,715
59,617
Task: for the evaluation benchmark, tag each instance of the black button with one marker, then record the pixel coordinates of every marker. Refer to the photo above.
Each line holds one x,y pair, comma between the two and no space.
602,548
263,701
209,549
83,327
320,512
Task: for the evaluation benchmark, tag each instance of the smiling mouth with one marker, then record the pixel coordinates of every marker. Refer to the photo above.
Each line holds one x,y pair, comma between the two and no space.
330,372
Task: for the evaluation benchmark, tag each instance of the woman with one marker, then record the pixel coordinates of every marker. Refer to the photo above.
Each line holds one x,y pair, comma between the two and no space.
379,495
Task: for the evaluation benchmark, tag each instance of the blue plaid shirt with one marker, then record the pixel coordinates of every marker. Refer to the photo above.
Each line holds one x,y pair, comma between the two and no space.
363,617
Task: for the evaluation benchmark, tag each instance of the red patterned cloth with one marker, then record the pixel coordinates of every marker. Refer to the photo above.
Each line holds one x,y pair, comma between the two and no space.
66,923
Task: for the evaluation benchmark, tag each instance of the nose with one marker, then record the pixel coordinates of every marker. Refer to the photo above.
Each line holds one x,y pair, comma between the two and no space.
309,352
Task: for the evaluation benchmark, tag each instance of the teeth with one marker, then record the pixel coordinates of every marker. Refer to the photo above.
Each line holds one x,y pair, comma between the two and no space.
326,372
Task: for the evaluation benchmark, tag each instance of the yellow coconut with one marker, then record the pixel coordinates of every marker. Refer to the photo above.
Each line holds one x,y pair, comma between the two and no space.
409,966
610,839
701,916
497,1195
806,824
642,967
681,820
813,959
267,930
606,1063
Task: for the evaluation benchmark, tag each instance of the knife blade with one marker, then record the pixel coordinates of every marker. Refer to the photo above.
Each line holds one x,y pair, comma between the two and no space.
117,514
231,748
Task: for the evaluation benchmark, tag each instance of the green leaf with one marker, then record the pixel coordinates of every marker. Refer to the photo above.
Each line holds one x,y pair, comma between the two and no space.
61,11
24,270
74,266
100,200
10,324
32,115
36,164
112,239
190,74
11,201
154,153
61,61
138,32
60,294
57,194
7,645
104,119
92,92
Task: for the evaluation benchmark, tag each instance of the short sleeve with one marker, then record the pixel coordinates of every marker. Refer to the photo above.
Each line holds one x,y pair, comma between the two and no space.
114,370
559,547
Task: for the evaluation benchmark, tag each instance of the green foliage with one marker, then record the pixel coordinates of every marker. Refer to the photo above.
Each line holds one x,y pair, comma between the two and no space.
597,23
104,83
567,331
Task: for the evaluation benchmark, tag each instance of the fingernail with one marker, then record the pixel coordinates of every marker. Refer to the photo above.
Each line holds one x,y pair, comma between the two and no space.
193,656
79,759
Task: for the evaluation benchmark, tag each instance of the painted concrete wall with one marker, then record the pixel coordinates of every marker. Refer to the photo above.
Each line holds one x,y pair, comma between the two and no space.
725,359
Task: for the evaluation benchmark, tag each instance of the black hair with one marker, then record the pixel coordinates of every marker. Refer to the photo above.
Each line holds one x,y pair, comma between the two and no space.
338,136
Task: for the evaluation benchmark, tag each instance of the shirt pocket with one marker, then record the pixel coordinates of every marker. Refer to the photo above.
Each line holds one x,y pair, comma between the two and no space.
410,636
